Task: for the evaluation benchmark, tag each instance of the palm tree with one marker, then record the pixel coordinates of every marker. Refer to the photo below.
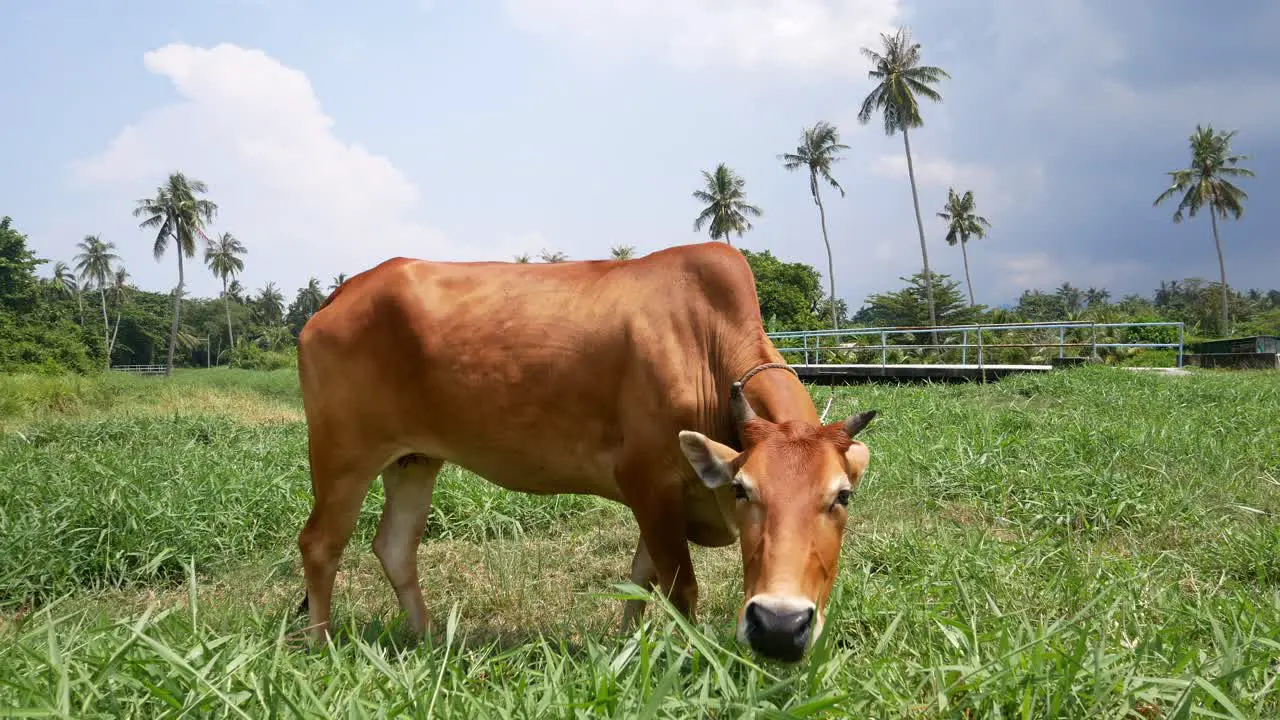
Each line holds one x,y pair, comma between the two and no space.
622,252
726,209
1205,183
818,150
177,214
552,257
337,281
270,303
223,258
310,297
236,291
93,263
65,280
902,77
1071,297
523,258
963,224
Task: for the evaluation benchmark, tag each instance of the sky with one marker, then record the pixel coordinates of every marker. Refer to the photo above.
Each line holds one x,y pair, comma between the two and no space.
334,135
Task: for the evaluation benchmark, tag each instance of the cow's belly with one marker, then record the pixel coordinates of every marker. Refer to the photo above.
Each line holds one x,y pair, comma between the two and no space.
538,476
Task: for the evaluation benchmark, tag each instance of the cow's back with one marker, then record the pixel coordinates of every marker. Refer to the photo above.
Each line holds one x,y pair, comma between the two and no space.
534,375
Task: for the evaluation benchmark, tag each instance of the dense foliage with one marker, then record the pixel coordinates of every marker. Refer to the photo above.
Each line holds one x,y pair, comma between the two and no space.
55,324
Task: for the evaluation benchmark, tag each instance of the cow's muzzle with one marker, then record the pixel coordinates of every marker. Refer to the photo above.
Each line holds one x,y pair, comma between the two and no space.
778,628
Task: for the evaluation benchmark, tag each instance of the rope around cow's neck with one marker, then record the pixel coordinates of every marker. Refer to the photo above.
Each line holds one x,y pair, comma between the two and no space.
786,366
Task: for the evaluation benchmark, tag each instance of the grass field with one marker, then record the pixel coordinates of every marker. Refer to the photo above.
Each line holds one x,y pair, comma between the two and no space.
1089,543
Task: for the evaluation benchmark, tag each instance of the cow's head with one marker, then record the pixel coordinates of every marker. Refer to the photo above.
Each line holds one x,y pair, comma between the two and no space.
789,489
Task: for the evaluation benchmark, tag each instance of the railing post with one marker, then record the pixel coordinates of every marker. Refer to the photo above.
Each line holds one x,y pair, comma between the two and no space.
980,372
1180,339
1062,340
1093,341
884,348
964,348
805,339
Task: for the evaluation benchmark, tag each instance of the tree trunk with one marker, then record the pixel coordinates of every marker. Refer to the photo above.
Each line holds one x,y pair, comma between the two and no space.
226,300
80,303
1222,271
116,332
106,325
965,252
177,299
924,251
831,270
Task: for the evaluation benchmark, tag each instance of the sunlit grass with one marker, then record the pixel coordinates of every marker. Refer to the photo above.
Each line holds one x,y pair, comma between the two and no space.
1088,543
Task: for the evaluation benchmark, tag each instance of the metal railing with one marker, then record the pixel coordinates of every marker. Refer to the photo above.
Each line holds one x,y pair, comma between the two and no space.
142,369
813,347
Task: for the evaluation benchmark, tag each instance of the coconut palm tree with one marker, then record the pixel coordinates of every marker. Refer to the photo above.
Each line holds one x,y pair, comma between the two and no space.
337,281
962,224
818,150
622,252
1206,183
270,303
94,265
65,280
223,258
177,214
901,78
726,208
310,297
523,258
552,257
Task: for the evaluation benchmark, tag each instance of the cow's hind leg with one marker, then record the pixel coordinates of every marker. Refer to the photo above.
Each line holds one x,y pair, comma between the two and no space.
408,483
338,487
644,574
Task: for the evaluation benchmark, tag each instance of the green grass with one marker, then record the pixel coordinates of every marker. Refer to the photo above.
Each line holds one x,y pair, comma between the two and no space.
1087,543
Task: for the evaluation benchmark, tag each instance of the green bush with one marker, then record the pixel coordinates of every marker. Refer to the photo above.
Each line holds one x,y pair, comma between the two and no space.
47,346
247,356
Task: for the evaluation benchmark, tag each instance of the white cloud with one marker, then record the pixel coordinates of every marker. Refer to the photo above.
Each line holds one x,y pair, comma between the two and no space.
302,200
939,172
822,36
996,188
1015,273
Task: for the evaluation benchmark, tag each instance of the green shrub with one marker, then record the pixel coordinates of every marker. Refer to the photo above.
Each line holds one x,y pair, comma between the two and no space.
247,356
47,346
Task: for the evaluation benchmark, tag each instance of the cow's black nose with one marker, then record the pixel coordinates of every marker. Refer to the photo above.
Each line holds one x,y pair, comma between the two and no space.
777,635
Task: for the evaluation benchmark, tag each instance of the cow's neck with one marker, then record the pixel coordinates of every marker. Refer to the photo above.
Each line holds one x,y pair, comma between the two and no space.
776,394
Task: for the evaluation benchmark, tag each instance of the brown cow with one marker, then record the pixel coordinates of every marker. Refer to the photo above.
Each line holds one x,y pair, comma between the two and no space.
631,380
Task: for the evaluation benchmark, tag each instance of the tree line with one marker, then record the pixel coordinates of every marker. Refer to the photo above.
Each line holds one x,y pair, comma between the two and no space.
87,315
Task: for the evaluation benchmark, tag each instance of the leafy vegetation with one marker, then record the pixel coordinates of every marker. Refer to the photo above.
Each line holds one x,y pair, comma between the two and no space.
1017,549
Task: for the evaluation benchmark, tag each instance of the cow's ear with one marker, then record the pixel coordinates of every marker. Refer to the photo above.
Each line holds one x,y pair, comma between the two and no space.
711,460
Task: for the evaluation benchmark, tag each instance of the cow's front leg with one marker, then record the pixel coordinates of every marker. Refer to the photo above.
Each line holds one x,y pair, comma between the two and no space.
646,576
659,511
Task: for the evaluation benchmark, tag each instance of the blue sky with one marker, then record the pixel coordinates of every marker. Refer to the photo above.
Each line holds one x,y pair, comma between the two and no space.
334,135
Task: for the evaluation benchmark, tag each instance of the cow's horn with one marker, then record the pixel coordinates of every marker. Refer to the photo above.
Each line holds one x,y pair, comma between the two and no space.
742,412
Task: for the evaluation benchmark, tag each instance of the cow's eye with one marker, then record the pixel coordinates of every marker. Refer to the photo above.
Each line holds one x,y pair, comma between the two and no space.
842,498
739,490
